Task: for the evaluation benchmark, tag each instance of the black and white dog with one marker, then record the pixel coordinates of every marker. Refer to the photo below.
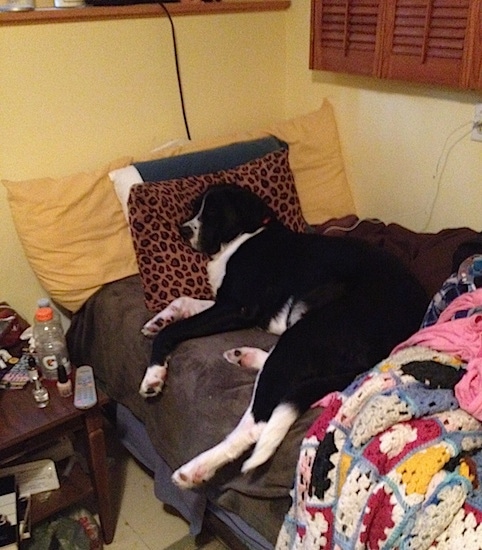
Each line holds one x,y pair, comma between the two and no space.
339,304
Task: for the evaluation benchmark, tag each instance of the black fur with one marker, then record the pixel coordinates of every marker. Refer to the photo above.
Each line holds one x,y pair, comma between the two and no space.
360,300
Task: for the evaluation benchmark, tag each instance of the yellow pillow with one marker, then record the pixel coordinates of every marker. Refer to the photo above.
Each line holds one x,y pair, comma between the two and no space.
76,237
317,164
74,233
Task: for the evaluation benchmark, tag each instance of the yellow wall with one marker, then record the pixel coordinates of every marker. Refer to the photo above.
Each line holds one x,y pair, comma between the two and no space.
393,137
73,96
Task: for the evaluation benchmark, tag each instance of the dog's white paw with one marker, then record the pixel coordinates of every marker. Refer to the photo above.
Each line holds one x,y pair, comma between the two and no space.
155,325
180,308
150,329
191,475
255,460
251,358
153,380
170,314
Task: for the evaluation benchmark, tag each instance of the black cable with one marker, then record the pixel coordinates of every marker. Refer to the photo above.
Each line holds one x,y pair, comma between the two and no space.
178,72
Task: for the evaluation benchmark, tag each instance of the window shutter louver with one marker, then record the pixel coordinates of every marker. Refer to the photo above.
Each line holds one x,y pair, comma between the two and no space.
345,35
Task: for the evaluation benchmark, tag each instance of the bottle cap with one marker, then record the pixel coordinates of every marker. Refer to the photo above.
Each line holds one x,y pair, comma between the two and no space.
43,302
44,314
62,374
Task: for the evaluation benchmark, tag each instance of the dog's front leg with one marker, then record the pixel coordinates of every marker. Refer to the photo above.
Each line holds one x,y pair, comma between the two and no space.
180,308
153,380
221,317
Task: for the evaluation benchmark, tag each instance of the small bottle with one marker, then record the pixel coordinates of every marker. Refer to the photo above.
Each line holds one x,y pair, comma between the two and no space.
49,342
469,270
39,392
64,384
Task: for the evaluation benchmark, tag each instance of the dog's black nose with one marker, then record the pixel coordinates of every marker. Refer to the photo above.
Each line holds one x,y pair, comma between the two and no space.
186,232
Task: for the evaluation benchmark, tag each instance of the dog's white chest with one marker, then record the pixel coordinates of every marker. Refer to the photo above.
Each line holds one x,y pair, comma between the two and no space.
216,272
217,266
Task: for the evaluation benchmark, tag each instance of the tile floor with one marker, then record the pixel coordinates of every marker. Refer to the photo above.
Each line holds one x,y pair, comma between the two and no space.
143,522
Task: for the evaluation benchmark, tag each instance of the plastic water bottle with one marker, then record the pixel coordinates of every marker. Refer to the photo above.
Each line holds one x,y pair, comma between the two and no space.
469,270
50,345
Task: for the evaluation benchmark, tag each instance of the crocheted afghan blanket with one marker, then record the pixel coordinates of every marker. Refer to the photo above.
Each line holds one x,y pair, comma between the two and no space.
391,462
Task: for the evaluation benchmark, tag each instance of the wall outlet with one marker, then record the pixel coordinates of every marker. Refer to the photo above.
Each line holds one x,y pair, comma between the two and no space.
477,123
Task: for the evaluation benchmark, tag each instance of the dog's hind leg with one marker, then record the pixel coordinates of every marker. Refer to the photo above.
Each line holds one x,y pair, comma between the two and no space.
204,466
180,308
251,358
272,434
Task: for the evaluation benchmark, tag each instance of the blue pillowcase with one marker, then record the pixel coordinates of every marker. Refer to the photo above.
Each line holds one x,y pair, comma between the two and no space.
211,160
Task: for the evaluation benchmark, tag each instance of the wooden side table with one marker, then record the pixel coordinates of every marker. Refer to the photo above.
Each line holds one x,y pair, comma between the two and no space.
24,428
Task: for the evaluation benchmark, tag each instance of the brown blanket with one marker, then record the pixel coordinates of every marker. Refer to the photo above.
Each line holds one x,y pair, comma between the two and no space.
428,255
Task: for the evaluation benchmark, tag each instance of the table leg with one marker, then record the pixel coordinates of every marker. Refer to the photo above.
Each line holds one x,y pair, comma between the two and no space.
98,462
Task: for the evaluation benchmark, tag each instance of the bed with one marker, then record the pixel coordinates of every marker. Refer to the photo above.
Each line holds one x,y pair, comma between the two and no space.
129,263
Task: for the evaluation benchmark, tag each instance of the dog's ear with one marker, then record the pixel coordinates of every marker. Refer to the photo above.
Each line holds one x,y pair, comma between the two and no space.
253,211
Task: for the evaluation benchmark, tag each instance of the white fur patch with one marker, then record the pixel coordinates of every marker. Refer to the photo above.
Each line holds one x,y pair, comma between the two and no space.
297,312
217,266
251,358
279,323
153,380
288,316
195,225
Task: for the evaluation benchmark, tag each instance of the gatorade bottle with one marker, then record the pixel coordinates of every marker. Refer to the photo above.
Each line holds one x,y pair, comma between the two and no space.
49,341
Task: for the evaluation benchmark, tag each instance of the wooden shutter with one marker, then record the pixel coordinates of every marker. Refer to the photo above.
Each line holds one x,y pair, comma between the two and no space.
429,40
345,35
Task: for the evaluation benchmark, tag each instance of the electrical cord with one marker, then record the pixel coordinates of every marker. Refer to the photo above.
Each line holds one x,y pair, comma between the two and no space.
352,227
441,164
178,72
445,145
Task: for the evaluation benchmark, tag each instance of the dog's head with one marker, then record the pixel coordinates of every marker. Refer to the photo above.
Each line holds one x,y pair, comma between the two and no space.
221,214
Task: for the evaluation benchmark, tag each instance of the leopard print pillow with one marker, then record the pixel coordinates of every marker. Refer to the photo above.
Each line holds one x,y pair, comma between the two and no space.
168,266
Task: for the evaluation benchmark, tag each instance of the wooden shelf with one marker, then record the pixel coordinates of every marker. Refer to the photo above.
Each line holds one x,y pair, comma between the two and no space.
90,13
75,488
26,428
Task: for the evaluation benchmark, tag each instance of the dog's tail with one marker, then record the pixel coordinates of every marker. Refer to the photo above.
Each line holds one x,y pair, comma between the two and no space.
281,420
